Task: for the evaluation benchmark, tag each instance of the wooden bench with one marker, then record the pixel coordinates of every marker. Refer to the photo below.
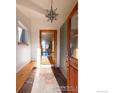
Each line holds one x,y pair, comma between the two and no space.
22,75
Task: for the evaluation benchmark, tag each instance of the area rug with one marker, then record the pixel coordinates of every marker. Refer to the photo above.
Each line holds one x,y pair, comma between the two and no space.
45,81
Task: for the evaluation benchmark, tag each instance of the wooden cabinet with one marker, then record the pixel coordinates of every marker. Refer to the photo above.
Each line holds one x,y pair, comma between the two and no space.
72,28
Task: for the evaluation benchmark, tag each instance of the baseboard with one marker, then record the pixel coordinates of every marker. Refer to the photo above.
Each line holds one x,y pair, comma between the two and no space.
33,60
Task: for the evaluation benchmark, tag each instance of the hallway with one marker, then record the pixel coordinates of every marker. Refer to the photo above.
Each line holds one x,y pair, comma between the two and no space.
46,46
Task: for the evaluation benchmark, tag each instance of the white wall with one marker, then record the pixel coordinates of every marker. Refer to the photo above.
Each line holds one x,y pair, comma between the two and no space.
23,52
34,36
58,47
36,26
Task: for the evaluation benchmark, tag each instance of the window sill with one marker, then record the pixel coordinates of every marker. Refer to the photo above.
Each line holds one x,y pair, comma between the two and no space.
20,43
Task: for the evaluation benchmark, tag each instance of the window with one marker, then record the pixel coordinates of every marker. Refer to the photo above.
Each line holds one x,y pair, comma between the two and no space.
74,36
22,36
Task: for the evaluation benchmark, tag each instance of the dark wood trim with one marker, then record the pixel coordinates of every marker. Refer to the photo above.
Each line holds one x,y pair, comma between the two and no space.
55,42
75,9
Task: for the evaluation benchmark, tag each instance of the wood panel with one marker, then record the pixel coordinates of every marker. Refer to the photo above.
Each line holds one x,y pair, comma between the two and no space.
72,76
22,75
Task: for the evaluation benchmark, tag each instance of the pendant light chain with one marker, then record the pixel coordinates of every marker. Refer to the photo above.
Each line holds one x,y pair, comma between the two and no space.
51,14
51,3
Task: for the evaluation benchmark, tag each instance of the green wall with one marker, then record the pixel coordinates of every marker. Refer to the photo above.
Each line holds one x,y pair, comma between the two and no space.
63,49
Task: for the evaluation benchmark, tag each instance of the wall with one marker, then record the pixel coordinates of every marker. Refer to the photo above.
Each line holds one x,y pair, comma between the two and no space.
63,49
23,52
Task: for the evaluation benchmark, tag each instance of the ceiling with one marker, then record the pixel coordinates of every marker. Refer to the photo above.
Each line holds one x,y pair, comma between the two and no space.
35,10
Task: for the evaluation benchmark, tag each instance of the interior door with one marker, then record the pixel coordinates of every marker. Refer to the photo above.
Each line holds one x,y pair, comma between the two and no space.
48,45
72,81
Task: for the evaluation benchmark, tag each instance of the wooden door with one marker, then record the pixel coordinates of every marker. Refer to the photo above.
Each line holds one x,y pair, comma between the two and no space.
72,80
55,43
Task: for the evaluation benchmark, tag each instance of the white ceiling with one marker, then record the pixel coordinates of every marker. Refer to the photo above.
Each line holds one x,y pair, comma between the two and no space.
36,10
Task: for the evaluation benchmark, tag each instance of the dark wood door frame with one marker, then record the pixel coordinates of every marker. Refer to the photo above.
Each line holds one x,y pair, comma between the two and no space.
55,42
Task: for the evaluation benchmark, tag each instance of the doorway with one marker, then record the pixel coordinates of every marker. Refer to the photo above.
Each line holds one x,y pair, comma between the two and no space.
48,45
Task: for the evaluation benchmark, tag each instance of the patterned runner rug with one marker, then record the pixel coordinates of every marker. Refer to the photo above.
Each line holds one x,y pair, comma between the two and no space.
45,81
